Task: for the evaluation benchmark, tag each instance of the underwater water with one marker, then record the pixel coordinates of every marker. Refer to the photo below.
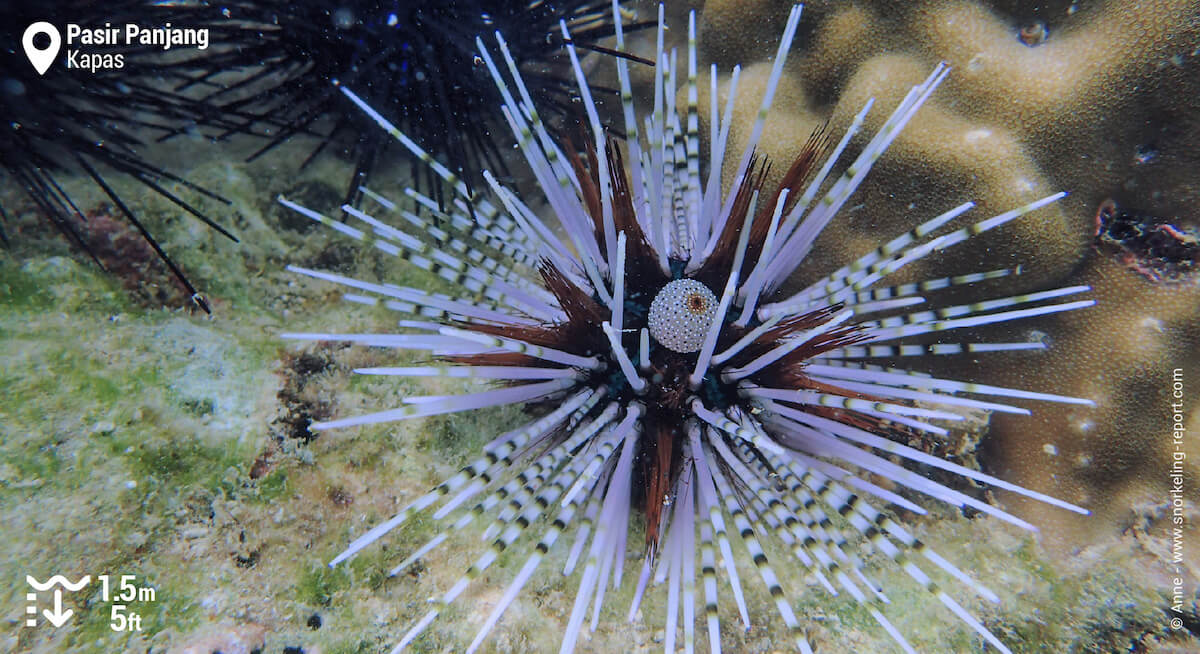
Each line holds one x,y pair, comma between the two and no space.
193,462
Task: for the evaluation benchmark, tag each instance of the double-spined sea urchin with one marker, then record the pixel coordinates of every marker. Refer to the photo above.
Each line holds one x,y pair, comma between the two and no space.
670,374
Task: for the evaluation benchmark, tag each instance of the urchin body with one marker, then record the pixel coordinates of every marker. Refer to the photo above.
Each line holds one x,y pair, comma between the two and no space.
674,379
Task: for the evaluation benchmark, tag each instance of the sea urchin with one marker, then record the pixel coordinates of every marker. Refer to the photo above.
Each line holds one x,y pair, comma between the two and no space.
96,124
411,60
666,371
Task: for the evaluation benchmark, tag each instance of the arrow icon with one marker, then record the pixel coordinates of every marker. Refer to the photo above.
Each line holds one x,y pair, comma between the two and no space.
58,617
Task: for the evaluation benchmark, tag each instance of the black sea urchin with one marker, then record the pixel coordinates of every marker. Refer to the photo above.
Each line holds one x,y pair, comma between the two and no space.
668,373
413,61
91,123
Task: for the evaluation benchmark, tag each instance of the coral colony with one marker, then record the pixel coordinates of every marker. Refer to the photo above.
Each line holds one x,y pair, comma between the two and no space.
674,380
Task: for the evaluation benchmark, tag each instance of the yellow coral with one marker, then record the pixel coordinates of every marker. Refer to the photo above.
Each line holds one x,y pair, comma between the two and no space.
1012,123
1122,354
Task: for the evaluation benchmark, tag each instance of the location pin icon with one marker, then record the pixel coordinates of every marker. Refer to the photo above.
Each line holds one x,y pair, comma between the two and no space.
41,59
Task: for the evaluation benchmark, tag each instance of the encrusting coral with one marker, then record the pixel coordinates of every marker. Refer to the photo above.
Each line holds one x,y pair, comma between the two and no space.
1101,106
1117,454
1013,121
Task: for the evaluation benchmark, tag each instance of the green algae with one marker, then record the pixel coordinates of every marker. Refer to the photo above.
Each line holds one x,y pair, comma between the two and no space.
320,583
273,487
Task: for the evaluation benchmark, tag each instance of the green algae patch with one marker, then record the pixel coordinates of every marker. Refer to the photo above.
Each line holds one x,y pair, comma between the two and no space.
319,584
182,463
459,437
59,284
103,456
273,487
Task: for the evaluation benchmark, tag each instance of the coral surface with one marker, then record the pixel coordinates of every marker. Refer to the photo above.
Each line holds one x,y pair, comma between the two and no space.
1103,105
1013,122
